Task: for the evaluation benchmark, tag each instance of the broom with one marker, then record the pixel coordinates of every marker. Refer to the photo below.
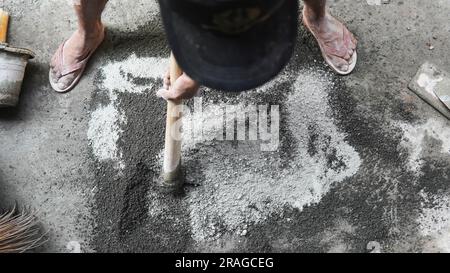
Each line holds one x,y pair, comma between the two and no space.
19,231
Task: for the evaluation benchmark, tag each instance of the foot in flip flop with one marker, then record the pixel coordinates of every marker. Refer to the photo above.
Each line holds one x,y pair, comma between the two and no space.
337,43
68,63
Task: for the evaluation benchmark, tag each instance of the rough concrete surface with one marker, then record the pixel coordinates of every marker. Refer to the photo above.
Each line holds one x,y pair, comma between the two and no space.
363,164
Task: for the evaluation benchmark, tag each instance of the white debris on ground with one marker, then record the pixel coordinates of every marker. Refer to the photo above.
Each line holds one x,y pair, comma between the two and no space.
74,247
434,220
434,223
118,76
106,121
415,136
374,247
104,132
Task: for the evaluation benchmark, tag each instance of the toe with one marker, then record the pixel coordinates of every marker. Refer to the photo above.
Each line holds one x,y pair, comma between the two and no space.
351,41
66,81
350,52
353,46
350,62
340,63
61,85
54,74
347,56
52,67
354,41
344,67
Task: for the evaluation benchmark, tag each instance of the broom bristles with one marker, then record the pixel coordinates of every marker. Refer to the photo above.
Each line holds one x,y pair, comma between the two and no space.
19,231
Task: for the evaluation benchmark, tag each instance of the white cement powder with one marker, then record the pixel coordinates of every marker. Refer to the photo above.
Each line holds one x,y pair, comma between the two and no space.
106,121
434,223
104,132
232,198
415,136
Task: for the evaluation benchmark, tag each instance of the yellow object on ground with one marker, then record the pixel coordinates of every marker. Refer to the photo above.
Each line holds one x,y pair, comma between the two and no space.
4,19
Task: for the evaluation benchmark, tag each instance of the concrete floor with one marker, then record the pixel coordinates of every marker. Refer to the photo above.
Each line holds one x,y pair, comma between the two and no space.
363,164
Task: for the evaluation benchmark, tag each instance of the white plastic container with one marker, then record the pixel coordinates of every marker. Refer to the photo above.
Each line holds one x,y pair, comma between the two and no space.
13,62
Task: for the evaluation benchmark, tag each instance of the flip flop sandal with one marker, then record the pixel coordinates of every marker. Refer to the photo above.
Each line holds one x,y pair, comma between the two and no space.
333,52
79,67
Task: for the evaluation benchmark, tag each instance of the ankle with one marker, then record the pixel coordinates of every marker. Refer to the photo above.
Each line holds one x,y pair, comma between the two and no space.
314,17
91,32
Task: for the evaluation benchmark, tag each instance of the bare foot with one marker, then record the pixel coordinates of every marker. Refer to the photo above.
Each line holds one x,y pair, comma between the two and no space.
76,48
337,42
